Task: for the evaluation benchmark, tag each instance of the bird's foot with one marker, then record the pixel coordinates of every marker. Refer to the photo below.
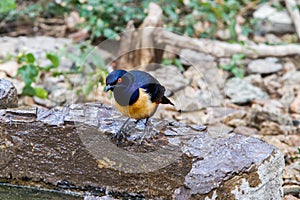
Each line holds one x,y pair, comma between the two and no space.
119,136
141,140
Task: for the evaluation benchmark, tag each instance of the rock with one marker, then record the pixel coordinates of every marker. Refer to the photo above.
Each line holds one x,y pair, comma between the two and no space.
287,144
258,115
288,96
44,102
264,66
80,155
10,68
106,197
291,78
8,46
237,122
243,130
73,19
271,84
295,105
193,58
18,84
255,79
273,39
33,45
3,75
273,21
228,114
193,117
170,77
223,34
270,102
190,99
291,172
242,92
51,83
210,80
206,76
27,101
61,96
219,129
289,66
16,45
270,128
8,94
290,197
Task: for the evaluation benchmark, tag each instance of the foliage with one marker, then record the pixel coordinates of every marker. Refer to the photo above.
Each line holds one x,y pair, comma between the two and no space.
90,66
105,18
235,66
174,61
7,5
108,18
30,72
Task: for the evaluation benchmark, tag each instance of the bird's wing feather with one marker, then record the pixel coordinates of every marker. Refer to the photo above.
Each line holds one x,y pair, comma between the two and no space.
149,83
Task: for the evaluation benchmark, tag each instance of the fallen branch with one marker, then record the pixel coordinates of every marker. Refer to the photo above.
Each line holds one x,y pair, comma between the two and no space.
137,48
224,49
294,13
145,45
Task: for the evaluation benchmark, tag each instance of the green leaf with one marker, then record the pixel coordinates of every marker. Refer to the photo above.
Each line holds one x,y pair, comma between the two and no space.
238,72
109,33
30,58
88,88
28,90
54,59
167,61
237,57
178,64
40,92
28,73
227,67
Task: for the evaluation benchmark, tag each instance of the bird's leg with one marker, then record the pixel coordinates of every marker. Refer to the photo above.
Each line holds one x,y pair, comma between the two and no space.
120,134
144,132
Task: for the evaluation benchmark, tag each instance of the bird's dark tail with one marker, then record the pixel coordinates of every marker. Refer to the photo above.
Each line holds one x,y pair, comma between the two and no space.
165,100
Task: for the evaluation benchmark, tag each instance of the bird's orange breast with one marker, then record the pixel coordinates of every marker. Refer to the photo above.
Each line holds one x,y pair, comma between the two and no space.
142,108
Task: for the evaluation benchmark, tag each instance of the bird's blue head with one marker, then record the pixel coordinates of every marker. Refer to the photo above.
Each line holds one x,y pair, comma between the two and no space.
113,78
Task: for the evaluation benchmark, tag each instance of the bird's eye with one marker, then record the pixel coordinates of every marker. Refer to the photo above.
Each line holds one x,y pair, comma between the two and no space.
119,80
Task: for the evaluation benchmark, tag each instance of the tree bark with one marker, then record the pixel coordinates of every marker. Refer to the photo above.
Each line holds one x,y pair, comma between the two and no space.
224,49
294,13
138,47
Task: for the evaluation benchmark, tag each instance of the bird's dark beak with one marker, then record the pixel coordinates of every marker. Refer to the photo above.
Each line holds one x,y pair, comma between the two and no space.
109,87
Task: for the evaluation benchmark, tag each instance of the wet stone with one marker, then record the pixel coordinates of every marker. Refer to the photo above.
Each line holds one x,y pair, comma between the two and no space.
74,148
8,94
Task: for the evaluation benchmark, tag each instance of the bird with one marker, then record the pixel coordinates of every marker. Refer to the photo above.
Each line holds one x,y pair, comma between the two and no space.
137,95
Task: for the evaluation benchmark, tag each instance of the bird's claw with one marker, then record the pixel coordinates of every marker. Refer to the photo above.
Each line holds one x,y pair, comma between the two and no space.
119,136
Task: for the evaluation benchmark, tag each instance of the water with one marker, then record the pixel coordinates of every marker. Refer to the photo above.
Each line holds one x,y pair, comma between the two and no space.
12,192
